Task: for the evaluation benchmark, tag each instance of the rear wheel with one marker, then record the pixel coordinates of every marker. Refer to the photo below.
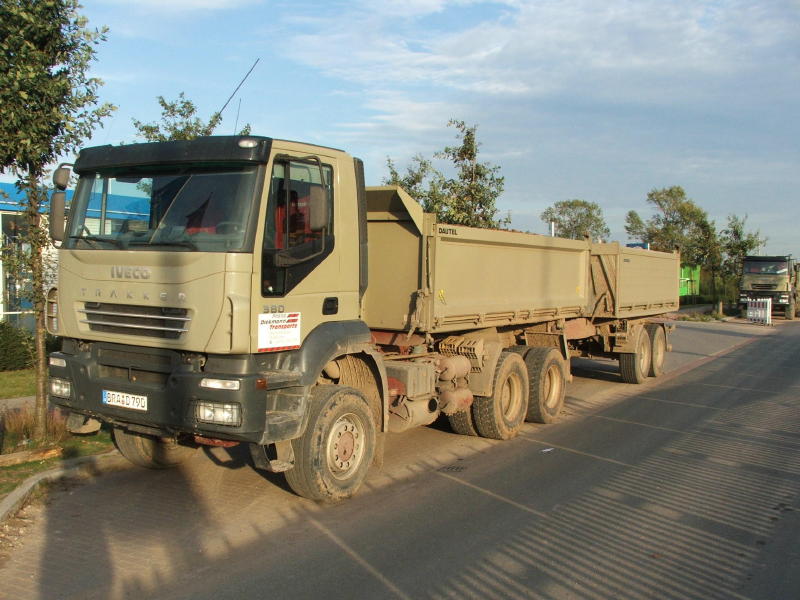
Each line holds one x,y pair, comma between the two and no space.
333,456
658,349
500,415
462,422
148,451
635,366
547,384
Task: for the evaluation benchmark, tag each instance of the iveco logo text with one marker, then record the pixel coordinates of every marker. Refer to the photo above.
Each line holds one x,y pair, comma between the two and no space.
119,272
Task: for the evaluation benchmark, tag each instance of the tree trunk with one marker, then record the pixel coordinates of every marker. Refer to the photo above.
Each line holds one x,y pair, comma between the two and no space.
36,266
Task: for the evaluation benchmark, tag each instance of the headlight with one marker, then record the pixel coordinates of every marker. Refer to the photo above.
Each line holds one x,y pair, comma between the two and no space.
61,388
55,361
220,413
219,384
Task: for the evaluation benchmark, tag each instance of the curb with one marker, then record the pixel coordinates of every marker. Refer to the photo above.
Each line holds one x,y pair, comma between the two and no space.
88,465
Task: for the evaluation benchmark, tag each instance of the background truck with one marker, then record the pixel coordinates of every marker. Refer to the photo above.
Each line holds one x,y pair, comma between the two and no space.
770,277
233,290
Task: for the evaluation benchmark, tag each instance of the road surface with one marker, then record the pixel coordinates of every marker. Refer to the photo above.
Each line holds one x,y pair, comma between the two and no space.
685,487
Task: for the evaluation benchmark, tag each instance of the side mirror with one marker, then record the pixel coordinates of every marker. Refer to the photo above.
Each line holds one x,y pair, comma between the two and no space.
57,203
318,205
61,177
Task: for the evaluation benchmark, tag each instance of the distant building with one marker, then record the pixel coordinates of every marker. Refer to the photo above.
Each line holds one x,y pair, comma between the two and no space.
14,306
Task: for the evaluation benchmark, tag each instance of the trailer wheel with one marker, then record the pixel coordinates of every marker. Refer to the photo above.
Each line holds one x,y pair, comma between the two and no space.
635,366
500,415
658,349
148,451
334,454
547,384
463,423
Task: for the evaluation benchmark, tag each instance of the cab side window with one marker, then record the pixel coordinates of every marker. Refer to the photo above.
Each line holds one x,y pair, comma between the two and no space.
299,228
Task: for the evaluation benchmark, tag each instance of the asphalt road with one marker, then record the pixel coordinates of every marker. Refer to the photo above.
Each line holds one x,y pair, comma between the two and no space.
684,487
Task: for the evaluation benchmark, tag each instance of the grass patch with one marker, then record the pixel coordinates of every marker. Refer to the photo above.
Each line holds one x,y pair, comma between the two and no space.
74,446
17,427
15,384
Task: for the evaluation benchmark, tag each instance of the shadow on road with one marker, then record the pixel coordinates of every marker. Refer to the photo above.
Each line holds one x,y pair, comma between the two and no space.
672,493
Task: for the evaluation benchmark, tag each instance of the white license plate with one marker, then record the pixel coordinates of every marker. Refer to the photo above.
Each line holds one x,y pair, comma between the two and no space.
124,400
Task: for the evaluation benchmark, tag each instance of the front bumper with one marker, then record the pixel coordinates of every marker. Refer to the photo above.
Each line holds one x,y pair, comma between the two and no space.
270,403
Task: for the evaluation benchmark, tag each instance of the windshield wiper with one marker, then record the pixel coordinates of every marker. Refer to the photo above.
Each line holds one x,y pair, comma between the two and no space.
184,243
97,238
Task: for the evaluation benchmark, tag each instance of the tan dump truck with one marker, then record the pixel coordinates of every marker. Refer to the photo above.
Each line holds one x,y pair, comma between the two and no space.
772,277
245,290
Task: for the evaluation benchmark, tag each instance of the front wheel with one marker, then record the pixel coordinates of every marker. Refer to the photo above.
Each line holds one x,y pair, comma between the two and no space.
148,451
791,310
635,366
333,456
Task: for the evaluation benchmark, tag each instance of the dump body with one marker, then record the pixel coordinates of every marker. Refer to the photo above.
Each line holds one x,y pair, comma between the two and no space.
439,278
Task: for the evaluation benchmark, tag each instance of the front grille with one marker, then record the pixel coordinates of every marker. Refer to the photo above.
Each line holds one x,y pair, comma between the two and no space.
764,286
129,319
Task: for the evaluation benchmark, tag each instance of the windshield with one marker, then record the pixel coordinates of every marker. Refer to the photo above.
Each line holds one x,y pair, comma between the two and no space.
186,208
767,267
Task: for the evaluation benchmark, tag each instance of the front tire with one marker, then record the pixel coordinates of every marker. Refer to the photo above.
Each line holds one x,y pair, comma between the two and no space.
791,310
500,415
635,366
334,454
150,452
547,384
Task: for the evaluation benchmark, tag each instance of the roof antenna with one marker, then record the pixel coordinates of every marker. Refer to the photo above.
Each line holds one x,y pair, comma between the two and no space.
238,110
224,106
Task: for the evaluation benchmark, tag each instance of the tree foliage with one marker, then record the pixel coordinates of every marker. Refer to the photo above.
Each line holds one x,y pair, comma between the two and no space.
467,198
678,222
737,243
50,106
179,121
575,218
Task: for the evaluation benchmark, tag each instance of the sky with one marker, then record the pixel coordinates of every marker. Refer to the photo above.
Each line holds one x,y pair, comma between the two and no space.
602,101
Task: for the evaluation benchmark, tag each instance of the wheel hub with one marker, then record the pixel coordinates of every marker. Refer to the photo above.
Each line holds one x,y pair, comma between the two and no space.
345,445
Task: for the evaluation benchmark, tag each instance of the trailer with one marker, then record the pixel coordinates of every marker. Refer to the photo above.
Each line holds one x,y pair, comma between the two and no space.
254,291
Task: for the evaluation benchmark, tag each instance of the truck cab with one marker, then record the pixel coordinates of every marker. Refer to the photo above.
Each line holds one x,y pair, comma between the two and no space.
204,285
773,277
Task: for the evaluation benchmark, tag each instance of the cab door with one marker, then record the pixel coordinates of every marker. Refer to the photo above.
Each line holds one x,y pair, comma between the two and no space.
299,272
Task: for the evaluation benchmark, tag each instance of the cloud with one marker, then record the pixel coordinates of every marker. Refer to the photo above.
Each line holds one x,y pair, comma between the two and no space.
175,6
619,51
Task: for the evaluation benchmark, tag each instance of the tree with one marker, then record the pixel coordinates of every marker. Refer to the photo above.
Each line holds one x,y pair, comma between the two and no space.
575,218
179,121
50,106
738,243
677,223
469,198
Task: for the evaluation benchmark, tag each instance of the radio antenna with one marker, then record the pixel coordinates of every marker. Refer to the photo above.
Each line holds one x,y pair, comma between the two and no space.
224,106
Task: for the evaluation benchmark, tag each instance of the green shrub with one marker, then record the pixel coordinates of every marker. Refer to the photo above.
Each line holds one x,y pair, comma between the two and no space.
16,347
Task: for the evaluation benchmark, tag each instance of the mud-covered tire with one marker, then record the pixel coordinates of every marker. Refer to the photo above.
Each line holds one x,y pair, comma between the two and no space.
658,349
333,456
548,384
463,423
790,311
635,366
500,415
148,451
